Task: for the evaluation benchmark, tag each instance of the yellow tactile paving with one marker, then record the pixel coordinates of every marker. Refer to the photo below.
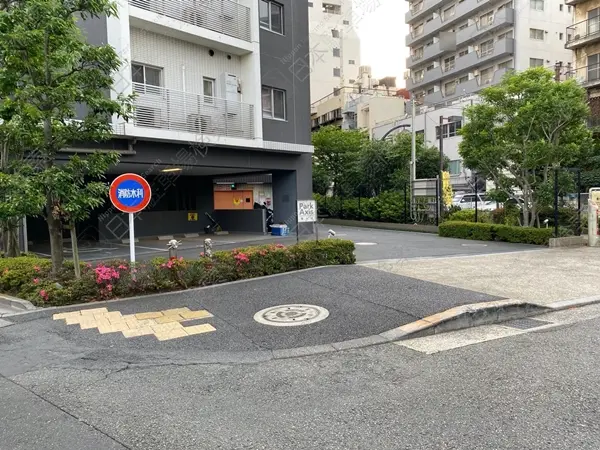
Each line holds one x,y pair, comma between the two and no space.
164,325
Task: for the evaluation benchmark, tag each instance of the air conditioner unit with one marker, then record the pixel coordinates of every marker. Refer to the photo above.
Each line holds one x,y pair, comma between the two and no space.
147,117
230,87
476,73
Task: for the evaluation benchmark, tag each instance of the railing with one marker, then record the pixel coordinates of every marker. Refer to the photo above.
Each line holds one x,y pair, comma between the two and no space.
416,7
585,75
583,30
222,16
167,109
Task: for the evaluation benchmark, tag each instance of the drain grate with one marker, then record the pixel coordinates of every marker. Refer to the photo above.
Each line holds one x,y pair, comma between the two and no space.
526,324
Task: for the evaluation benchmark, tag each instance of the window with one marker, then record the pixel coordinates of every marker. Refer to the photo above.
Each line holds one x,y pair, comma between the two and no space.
536,62
463,79
593,67
486,75
310,4
463,52
271,16
335,33
417,53
336,52
486,19
568,8
486,48
538,5
273,103
449,64
506,35
450,88
146,76
416,7
337,72
536,34
351,62
463,26
430,91
506,65
560,36
346,22
449,12
560,6
328,8
418,76
208,87
593,24
448,129
506,5
430,67
454,167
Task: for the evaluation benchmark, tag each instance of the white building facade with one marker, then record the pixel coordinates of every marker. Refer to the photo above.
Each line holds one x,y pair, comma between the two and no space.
334,47
459,47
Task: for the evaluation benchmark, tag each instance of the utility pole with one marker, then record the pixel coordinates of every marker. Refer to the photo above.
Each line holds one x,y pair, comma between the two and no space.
440,188
413,157
557,70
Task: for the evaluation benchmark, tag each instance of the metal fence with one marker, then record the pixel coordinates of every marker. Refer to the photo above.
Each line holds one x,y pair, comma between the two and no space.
223,16
158,107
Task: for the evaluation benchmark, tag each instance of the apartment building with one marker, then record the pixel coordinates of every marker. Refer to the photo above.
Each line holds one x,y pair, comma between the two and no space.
222,91
334,46
583,39
459,47
361,106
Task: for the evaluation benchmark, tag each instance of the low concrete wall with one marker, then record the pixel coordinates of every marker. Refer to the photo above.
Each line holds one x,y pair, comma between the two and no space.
250,220
382,225
568,241
150,223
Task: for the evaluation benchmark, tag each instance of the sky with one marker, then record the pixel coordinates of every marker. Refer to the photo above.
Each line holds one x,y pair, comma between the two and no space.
382,34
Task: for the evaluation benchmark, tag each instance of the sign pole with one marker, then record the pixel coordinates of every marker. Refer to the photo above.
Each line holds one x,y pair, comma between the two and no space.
297,230
131,240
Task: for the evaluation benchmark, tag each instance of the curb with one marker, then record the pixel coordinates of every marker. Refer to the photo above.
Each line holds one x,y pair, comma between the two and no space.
17,303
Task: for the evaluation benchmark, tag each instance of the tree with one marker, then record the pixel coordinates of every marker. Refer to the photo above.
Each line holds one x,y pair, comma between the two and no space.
47,73
335,153
525,127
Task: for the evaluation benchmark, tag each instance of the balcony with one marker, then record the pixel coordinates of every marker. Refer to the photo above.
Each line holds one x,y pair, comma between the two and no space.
471,60
462,89
574,2
430,52
419,9
222,24
583,33
504,18
588,76
170,110
462,10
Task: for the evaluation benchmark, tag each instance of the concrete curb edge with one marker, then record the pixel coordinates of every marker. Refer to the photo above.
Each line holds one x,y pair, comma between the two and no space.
17,303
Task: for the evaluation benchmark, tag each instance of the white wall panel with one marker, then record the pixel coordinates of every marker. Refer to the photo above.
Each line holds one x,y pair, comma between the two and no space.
176,57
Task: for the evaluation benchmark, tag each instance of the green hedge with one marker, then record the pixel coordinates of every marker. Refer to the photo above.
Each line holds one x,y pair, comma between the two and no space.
493,232
30,278
386,207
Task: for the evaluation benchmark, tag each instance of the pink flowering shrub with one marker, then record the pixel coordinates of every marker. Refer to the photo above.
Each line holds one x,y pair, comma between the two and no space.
30,278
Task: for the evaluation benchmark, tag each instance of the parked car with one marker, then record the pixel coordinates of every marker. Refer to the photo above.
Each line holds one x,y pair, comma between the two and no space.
467,201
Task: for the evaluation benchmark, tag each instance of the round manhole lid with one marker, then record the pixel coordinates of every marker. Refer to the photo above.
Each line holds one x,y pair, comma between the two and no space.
291,315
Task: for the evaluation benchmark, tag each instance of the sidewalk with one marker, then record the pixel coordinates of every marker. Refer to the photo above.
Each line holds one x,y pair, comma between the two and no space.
540,277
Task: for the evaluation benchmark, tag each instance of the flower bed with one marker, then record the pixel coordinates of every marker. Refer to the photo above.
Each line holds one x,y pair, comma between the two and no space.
29,277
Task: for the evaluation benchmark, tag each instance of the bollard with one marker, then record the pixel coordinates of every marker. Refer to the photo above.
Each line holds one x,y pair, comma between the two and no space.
208,248
172,246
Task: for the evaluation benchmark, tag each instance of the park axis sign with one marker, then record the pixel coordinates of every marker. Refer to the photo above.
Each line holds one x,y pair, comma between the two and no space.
130,193
306,213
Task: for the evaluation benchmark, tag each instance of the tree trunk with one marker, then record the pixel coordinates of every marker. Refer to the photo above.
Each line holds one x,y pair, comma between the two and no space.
75,249
56,239
10,238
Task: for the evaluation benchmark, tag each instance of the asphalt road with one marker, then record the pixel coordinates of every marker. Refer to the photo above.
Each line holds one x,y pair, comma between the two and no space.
371,244
531,391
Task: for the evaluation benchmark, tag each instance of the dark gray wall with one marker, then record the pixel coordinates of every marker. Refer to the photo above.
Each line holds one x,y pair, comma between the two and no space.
250,220
285,65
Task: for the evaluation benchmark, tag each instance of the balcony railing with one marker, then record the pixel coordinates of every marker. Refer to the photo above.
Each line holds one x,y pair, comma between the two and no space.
167,109
588,75
222,16
583,33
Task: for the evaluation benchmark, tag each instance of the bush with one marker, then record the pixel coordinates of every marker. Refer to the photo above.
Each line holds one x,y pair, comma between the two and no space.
30,277
494,232
468,215
386,207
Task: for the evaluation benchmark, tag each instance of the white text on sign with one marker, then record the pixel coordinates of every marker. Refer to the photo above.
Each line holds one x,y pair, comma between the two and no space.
130,193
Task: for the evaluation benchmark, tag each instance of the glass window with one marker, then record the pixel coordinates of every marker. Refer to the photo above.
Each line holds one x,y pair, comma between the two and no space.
593,67
454,167
450,88
536,34
538,5
208,86
536,62
486,48
335,33
273,103
337,72
449,64
351,62
145,77
271,16
336,52
152,76
137,73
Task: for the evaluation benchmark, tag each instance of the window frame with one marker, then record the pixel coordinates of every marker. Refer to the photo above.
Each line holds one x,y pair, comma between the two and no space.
147,88
532,33
535,61
269,27
272,91
535,5
209,98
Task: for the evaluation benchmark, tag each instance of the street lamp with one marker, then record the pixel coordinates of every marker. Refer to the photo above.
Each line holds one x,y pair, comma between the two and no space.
397,127
440,198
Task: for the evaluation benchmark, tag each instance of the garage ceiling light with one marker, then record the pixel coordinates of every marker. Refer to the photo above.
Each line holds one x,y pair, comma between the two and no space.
174,169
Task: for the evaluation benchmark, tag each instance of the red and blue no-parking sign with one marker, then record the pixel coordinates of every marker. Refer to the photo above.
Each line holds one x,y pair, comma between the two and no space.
130,193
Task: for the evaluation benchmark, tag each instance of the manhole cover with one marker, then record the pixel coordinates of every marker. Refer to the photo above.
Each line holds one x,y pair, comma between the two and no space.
525,324
291,315
365,243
